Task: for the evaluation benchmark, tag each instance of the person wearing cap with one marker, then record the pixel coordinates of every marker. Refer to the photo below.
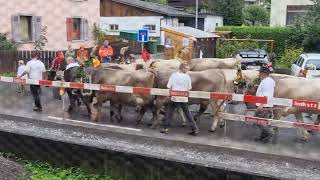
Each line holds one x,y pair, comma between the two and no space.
20,71
35,69
266,89
106,52
179,81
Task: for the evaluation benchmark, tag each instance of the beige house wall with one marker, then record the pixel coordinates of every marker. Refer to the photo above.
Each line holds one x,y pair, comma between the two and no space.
54,14
278,16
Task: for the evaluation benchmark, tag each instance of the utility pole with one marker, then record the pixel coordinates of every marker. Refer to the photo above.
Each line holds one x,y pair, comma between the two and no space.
197,8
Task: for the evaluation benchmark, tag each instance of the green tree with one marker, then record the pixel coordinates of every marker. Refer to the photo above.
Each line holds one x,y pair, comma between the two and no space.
311,29
231,10
256,14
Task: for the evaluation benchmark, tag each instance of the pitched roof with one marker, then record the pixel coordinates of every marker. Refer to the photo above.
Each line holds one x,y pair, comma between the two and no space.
155,7
190,31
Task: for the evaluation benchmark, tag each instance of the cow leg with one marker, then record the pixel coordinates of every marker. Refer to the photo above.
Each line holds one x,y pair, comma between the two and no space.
221,108
96,110
72,101
159,103
202,109
154,115
215,119
217,106
302,133
277,114
87,102
118,116
115,112
142,111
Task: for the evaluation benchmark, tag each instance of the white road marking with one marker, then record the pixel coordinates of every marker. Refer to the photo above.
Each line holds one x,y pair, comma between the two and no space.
95,124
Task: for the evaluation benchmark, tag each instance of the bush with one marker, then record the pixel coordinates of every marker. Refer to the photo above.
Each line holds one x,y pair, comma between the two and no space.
289,56
6,44
283,36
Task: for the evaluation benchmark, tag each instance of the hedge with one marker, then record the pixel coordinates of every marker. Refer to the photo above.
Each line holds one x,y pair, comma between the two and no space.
283,36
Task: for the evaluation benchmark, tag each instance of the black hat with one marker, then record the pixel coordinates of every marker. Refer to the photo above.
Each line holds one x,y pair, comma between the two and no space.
264,69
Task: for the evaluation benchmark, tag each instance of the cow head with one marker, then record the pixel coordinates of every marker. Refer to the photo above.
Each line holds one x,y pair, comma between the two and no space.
240,83
252,87
240,86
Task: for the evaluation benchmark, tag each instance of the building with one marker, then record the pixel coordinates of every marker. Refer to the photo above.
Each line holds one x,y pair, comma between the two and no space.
122,15
286,12
178,37
207,20
182,4
67,21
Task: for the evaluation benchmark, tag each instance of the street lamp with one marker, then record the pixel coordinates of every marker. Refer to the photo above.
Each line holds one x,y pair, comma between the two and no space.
197,7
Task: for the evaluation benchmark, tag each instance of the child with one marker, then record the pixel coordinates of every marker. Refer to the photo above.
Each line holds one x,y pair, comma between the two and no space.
21,70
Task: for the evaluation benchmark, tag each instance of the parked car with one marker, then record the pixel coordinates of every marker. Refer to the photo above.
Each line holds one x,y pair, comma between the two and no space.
307,65
253,59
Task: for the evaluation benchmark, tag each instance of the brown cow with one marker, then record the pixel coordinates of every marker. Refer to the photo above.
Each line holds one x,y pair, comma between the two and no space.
213,63
195,64
137,78
212,80
291,87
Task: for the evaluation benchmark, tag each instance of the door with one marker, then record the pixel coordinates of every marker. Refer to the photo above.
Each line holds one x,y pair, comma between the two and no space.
296,66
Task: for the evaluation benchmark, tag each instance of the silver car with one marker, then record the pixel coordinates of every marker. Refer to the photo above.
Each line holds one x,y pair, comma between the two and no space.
253,59
300,66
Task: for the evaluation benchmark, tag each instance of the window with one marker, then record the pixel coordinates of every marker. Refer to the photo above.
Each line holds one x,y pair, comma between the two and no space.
315,62
152,28
295,13
300,63
114,27
77,29
297,61
25,28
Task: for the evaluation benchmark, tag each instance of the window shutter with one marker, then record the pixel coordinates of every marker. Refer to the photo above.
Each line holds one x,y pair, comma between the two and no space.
15,28
69,29
84,29
37,27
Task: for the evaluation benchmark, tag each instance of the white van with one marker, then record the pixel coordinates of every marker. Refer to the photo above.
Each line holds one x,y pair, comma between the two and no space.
299,67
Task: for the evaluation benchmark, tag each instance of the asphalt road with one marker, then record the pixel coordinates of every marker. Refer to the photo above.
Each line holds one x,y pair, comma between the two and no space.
237,135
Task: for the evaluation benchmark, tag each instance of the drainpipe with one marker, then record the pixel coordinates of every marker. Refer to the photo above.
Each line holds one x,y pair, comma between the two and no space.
197,7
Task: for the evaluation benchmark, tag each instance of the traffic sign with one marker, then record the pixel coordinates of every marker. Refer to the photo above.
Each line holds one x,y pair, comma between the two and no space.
143,35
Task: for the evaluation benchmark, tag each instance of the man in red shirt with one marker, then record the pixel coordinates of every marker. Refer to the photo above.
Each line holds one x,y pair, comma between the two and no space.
106,52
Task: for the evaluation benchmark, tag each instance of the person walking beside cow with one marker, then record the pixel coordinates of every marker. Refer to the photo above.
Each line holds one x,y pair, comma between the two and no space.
265,88
106,52
35,69
179,81
20,71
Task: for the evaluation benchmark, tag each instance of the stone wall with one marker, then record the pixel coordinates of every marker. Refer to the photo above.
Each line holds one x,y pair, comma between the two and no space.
121,165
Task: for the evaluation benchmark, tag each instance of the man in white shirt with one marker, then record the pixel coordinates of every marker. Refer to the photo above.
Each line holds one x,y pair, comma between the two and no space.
266,88
35,69
179,81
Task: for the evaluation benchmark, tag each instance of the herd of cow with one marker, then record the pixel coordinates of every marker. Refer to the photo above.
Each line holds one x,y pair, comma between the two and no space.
210,75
